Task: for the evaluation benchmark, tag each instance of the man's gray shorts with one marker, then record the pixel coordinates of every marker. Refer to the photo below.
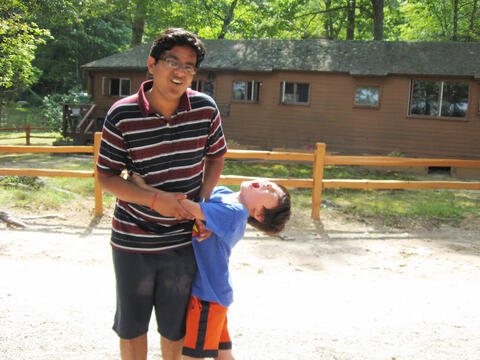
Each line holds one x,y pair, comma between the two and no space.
153,280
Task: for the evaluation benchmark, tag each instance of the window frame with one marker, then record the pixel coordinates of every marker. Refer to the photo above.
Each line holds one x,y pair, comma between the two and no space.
201,88
255,85
367,106
107,86
294,102
439,100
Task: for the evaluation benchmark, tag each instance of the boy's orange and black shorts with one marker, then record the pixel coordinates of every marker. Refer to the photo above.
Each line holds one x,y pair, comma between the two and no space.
206,329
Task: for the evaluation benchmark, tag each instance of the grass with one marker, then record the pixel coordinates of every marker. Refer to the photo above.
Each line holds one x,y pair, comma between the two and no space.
36,137
398,208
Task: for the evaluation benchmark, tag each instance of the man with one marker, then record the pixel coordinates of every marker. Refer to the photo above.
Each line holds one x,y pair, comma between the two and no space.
172,137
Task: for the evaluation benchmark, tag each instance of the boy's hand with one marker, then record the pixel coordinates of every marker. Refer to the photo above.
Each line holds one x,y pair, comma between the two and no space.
203,233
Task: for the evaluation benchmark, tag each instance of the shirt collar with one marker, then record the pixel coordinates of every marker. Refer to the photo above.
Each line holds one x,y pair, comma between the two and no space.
183,105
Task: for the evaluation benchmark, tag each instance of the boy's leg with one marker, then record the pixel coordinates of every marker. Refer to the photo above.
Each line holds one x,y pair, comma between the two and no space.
205,323
225,355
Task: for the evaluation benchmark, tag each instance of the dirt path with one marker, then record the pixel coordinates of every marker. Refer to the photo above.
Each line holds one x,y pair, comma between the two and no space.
332,289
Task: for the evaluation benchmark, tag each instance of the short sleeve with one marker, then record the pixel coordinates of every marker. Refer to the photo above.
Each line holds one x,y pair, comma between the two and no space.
225,218
112,156
216,143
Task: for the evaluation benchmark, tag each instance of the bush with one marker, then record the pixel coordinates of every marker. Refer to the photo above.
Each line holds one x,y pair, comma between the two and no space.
52,107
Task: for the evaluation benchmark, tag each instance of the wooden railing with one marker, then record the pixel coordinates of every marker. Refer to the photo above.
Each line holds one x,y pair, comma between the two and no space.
317,183
320,159
28,134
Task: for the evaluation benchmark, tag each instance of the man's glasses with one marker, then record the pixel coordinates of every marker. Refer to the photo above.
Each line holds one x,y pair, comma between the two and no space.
174,64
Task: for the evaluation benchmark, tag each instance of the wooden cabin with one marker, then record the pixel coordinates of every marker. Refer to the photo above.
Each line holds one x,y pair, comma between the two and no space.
419,99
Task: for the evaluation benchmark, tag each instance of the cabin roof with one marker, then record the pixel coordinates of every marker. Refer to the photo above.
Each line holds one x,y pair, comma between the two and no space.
348,56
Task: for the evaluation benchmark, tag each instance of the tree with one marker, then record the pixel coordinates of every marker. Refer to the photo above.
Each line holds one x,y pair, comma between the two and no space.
434,20
82,31
19,40
351,19
377,6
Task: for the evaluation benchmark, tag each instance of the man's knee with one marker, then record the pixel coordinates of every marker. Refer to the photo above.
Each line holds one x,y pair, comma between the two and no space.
134,349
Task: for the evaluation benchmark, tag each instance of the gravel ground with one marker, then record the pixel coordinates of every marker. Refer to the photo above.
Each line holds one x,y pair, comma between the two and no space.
330,289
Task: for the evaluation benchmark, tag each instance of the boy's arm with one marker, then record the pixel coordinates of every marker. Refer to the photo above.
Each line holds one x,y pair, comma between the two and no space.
193,208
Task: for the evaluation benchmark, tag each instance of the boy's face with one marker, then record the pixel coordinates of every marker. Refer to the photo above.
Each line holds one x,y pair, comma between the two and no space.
257,194
168,81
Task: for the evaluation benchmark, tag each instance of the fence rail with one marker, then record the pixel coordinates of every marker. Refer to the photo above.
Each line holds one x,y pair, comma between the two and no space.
98,194
317,183
28,134
320,159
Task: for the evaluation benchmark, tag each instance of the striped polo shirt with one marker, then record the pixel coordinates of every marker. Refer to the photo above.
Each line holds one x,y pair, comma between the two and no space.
168,155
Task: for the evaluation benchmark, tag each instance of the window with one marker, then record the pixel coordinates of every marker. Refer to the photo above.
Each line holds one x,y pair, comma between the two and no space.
367,96
203,86
116,86
295,93
248,91
439,98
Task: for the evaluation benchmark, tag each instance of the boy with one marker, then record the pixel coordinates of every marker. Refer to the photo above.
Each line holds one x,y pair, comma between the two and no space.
264,205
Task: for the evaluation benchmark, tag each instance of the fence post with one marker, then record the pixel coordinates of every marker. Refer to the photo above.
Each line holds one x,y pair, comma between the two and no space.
27,133
318,164
97,189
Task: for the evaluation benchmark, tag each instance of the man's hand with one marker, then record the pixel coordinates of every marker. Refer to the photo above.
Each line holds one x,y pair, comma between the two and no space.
166,203
203,233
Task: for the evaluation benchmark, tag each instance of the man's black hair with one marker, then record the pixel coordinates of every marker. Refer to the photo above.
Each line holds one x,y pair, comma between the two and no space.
177,37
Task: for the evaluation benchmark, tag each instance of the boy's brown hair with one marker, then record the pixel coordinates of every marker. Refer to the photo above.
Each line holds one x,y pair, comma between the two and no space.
177,37
275,218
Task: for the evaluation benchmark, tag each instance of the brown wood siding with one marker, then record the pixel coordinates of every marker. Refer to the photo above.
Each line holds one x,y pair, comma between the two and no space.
331,116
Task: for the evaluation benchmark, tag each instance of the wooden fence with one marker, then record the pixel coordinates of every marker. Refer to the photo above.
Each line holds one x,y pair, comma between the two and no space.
59,173
28,134
317,183
320,159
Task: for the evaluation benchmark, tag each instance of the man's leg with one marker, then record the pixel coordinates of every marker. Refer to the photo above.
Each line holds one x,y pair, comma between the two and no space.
171,350
134,349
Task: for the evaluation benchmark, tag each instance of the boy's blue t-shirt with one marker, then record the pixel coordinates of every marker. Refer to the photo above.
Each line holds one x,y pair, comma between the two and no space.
227,220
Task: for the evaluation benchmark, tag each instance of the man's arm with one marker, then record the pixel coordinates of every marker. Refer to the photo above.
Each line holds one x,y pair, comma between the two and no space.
211,173
166,203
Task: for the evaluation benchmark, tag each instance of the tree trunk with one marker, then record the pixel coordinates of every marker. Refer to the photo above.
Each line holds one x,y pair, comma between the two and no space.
455,19
138,22
351,19
472,21
228,20
1,107
377,19
328,20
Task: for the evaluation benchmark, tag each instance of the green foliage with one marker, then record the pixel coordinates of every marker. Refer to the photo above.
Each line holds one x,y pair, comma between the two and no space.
86,30
19,39
32,183
437,20
52,108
